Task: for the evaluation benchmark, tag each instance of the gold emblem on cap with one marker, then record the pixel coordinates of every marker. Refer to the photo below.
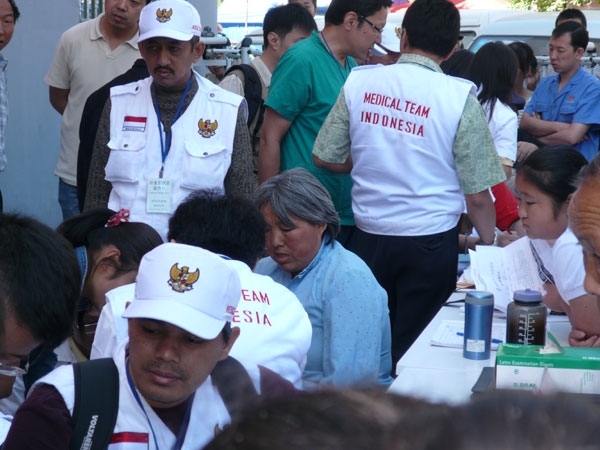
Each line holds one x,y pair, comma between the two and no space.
181,279
207,128
162,15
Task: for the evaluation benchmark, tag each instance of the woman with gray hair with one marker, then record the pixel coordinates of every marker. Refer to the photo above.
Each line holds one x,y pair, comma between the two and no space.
347,308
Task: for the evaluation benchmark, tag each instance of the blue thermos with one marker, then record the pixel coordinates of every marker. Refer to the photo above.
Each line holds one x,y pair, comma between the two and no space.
479,311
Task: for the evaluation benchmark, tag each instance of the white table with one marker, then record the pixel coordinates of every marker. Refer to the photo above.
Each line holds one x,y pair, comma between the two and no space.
442,374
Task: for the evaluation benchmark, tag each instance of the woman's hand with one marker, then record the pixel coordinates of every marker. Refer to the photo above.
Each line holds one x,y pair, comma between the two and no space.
577,338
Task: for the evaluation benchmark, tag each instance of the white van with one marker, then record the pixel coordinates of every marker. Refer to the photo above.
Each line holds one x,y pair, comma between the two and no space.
472,21
534,29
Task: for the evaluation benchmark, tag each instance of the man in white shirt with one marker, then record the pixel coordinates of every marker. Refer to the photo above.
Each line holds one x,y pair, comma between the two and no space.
87,56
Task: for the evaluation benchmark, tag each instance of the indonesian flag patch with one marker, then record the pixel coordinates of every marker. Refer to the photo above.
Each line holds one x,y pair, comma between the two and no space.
131,123
129,441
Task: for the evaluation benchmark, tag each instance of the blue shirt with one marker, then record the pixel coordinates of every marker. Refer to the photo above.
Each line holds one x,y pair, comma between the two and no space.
351,340
577,102
3,111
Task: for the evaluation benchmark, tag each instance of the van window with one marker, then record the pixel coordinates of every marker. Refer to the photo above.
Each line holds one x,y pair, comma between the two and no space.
539,44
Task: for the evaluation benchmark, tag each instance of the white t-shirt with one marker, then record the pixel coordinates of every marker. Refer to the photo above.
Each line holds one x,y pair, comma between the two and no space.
564,261
83,62
504,127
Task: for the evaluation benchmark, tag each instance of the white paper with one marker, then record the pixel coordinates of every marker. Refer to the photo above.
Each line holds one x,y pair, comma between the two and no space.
502,271
450,334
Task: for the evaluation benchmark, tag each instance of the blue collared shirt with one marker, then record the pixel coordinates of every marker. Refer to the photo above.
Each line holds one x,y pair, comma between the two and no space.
577,102
3,111
351,340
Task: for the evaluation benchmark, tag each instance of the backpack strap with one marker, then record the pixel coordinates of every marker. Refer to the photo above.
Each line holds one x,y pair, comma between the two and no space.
252,93
96,403
234,385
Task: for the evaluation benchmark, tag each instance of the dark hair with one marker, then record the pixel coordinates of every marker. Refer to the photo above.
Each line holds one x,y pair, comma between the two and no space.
15,10
226,332
579,35
506,419
571,14
525,56
283,19
494,70
432,26
459,64
133,239
554,170
326,419
592,170
39,278
364,8
231,226
297,193
314,2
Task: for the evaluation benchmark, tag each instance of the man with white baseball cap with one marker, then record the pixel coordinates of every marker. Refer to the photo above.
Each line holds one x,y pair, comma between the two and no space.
172,133
173,372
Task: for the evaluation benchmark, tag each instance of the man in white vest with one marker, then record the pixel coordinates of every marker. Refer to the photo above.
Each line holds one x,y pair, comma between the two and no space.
275,330
172,133
418,146
180,335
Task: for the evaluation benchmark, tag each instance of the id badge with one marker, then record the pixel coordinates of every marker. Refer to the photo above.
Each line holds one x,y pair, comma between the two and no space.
159,196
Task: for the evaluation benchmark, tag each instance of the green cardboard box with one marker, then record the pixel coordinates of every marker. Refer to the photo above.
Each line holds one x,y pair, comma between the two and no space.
529,367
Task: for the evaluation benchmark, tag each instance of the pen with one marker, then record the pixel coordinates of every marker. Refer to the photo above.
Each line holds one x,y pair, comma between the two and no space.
494,341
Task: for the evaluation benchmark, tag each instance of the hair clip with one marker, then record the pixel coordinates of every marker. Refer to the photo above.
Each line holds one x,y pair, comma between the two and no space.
116,219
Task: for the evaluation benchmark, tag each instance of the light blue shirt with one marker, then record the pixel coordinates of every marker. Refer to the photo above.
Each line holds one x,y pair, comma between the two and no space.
351,340
3,111
577,102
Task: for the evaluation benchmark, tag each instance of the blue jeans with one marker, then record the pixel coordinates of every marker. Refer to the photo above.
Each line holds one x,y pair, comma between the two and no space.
67,198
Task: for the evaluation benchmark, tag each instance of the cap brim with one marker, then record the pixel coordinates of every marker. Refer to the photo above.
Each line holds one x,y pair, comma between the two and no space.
180,315
171,34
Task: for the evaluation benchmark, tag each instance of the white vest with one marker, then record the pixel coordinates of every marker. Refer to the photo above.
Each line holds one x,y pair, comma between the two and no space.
402,130
199,156
275,331
208,410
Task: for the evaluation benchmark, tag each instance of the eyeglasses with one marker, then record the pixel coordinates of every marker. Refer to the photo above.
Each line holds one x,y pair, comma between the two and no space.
375,27
13,371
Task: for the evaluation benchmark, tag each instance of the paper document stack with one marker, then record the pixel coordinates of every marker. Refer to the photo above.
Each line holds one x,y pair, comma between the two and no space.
502,271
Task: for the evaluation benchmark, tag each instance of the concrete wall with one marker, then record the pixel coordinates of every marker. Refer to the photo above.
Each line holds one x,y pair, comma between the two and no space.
33,133
32,139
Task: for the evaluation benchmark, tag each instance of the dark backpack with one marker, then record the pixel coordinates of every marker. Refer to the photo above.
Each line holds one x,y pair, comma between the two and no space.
95,411
253,95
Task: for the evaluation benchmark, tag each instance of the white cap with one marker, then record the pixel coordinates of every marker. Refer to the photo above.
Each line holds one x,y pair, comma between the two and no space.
186,286
175,19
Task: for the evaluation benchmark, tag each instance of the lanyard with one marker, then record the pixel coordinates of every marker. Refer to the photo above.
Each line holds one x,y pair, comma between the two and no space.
166,146
343,70
184,424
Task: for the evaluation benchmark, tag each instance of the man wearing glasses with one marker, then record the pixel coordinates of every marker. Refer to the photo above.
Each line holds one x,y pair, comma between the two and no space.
39,286
304,87
419,148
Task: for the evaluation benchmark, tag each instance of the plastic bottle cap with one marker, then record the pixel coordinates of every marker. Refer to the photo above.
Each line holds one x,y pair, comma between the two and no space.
527,296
